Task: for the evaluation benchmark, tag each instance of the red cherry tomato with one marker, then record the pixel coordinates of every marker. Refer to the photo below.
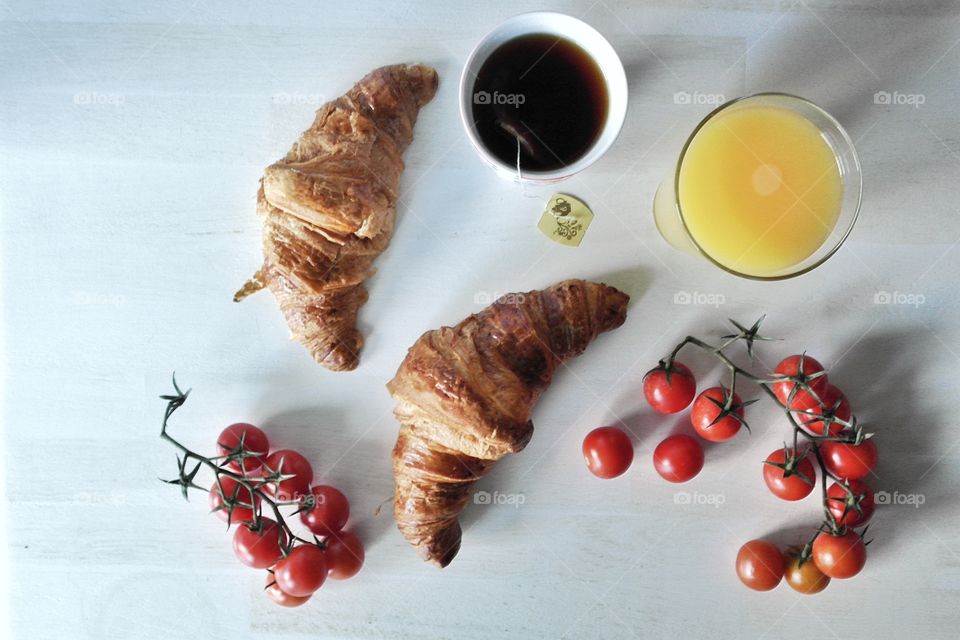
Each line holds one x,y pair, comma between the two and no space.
607,451
344,555
840,556
849,461
842,505
325,510
760,565
302,572
706,411
833,404
254,441
792,487
672,396
281,597
289,462
259,548
238,495
805,578
678,458
790,366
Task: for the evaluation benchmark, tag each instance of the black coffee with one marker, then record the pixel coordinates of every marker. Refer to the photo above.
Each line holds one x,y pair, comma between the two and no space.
543,94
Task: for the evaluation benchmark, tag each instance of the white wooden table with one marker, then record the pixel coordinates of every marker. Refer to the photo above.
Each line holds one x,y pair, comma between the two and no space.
131,140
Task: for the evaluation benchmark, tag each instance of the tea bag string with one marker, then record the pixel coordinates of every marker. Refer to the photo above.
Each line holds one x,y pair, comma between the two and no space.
523,186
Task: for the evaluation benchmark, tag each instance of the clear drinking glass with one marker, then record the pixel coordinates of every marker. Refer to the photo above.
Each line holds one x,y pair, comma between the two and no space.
668,210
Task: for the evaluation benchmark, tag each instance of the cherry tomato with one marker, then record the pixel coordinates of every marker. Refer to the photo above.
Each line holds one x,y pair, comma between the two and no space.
238,495
760,565
280,596
790,366
261,548
254,441
840,556
607,451
325,510
706,411
672,396
804,577
344,555
828,407
840,501
792,487
289,462
678,458
849,461
302,572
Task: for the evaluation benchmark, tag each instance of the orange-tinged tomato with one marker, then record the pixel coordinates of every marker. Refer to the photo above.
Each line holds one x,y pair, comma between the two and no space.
804,577
280,596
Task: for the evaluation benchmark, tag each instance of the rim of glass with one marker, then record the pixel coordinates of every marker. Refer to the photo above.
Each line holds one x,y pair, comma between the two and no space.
856,163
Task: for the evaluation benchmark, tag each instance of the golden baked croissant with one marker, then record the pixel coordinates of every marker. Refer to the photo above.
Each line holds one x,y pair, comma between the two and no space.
328,207
464,396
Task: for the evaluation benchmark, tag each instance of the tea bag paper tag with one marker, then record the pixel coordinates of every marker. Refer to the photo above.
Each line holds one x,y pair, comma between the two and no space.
565,220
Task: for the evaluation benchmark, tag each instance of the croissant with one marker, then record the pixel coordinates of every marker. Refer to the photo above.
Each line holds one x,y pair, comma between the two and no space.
327,209
464,396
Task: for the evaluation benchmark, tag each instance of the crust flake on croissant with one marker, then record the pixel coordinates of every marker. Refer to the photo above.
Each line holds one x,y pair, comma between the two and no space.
327,209
464,395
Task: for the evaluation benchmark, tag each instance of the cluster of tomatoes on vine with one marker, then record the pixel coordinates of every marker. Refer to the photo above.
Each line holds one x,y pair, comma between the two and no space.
251,481
295,571
832,441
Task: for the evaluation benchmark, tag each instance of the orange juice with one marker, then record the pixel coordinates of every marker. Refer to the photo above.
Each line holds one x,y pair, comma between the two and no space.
759,188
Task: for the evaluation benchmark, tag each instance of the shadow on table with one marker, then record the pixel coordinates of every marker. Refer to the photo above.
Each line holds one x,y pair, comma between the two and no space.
339,459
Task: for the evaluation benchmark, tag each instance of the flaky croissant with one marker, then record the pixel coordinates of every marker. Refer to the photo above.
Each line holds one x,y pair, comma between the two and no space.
464,396
328,207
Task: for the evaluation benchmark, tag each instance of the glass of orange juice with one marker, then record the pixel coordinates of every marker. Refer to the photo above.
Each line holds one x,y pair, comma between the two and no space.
766,187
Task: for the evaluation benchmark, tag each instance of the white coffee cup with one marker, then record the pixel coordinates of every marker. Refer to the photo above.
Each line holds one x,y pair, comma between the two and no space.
577,32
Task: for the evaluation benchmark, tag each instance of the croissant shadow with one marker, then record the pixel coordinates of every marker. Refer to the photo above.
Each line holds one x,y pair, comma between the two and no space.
339,459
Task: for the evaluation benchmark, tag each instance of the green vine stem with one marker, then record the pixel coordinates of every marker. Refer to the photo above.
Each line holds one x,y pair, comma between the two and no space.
253,486
853,431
